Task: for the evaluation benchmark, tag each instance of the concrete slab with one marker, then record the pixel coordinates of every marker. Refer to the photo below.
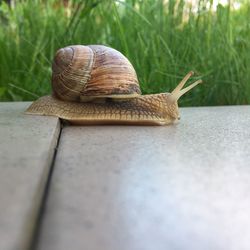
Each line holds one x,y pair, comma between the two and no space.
26,149
178,187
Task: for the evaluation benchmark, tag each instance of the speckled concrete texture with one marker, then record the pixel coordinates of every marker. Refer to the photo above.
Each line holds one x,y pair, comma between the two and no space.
26,150
184,186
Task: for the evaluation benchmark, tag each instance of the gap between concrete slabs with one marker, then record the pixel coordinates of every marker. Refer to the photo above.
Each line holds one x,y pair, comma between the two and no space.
37,229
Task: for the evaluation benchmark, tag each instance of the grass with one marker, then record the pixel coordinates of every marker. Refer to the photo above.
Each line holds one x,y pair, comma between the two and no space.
162,39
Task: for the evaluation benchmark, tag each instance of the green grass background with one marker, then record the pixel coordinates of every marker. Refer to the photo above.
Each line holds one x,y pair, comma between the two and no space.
162,39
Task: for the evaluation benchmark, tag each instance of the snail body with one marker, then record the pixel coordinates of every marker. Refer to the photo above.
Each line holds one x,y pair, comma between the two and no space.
98,85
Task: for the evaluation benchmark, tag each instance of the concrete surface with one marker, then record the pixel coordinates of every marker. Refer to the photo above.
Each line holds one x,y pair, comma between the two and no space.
145,188
26,149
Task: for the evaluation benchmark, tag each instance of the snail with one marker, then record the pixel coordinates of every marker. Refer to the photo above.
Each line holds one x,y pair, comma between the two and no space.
96,84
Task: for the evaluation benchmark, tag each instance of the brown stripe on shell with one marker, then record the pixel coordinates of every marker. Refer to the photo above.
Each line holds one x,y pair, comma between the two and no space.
71,71
112,74
62,59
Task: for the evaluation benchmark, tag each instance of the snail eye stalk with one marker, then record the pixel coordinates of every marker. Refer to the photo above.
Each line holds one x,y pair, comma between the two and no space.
179,91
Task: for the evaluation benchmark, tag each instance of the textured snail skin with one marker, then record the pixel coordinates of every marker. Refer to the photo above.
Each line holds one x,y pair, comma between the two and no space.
156,109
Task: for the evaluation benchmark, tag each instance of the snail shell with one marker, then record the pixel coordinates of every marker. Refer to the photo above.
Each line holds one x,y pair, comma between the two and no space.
81,73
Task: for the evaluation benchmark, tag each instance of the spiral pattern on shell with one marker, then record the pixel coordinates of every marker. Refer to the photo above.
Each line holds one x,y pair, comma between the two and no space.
80,72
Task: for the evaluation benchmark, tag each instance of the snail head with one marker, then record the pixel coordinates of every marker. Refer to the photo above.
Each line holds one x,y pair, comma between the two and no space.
171,99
